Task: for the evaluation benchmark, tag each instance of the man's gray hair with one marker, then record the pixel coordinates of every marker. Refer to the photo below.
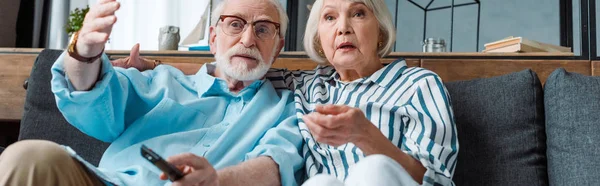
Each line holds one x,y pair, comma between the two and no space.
383,15
283,18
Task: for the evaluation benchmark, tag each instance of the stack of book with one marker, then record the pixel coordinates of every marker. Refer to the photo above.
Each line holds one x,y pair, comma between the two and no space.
520,44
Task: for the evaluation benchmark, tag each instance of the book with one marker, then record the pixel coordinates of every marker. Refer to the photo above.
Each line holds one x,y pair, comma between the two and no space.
520,44
514,48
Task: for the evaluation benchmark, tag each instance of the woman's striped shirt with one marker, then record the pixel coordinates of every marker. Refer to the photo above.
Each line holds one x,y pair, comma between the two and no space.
410,105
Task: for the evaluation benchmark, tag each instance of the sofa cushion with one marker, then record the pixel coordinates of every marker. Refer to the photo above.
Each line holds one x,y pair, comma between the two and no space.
572,103
42,119
500,123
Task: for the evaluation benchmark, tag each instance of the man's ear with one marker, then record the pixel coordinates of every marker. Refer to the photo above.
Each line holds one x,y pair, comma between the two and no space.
281,44
211,40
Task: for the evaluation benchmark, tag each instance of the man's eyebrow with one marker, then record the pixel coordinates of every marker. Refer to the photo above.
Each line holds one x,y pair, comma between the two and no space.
265,18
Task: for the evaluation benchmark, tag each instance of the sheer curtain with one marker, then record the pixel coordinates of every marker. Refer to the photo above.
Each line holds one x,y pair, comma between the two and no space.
139,21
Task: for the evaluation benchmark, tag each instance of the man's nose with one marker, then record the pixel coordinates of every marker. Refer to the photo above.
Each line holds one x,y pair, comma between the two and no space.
247,38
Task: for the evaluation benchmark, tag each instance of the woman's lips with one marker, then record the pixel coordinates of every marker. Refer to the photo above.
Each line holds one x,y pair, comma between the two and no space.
346,46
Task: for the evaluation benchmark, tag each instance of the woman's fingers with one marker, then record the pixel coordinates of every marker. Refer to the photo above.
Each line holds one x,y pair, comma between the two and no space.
330,109
325,120
327,136
318,130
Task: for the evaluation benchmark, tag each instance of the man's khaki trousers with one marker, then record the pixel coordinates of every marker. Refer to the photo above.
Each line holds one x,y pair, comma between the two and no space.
40,163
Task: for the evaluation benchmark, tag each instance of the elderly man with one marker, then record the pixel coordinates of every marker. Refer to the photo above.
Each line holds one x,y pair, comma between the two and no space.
225,125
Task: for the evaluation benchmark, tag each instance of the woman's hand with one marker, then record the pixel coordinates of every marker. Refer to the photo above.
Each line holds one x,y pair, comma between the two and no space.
197,170
337,124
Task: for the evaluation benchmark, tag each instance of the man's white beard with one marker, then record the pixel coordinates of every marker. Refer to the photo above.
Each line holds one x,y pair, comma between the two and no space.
240,71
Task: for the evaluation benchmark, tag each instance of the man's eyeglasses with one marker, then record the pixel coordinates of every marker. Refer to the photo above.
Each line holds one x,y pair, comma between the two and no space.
263,29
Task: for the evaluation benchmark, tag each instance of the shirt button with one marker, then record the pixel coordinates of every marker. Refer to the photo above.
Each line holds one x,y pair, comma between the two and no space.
206,145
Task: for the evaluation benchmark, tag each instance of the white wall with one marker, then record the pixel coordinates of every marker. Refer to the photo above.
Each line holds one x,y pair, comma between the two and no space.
532,19
139,21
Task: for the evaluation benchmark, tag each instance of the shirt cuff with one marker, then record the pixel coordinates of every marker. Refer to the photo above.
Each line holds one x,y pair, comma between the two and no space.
287,165
433,175
63,88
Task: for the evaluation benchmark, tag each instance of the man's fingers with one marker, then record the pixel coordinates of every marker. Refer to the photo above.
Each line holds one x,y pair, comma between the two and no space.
102,10
184,169
100,24
188,159
135,52
92,38
198,177
105,1
122,62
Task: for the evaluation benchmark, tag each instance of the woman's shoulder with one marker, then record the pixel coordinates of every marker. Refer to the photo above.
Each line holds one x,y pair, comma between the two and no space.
290,79
413,73
298,75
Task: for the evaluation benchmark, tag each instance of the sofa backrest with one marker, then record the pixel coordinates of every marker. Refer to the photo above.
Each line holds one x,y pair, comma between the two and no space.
572,103
42,119
500,123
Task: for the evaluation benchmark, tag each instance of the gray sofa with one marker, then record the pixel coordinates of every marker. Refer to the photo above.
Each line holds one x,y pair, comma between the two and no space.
511,131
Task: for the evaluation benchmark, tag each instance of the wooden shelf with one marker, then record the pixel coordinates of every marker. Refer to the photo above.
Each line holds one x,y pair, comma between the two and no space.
302,53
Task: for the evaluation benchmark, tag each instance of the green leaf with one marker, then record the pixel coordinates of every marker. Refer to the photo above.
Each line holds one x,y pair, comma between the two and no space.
75,21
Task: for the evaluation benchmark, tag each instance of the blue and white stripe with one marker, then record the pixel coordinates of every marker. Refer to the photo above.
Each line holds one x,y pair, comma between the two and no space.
410,106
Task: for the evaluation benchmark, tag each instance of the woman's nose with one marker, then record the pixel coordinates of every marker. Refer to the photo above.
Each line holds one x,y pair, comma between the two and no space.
344,27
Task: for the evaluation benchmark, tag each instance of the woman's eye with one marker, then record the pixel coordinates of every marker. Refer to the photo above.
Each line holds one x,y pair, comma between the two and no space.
359,14
329,18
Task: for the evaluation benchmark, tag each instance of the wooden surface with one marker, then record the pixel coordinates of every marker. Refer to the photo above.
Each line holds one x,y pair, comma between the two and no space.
296,53
15,66
465,69
595,68
14,69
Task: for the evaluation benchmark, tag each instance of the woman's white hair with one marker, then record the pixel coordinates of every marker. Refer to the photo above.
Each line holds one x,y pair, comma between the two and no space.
283,18
383,15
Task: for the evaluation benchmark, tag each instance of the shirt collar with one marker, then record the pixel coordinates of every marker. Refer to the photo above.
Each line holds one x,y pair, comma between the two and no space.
383,77
208,85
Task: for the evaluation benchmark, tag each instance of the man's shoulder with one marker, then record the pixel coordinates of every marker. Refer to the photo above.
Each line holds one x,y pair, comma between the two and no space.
283,93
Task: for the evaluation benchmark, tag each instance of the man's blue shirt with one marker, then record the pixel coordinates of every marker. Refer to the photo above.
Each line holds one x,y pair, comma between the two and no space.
173,113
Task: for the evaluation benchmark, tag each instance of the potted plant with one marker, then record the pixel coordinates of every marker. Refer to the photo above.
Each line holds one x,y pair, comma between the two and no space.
75,21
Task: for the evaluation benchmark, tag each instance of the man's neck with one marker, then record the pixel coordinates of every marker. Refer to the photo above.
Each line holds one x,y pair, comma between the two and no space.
234,85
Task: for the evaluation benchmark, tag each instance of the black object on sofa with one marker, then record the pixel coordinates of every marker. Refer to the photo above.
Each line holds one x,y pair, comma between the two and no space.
42,119
502,122
1,150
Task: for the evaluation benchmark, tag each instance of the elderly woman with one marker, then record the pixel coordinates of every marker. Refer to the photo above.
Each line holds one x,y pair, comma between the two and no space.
365,123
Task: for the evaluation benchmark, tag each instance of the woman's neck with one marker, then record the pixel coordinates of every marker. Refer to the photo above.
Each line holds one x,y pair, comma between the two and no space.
363,69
